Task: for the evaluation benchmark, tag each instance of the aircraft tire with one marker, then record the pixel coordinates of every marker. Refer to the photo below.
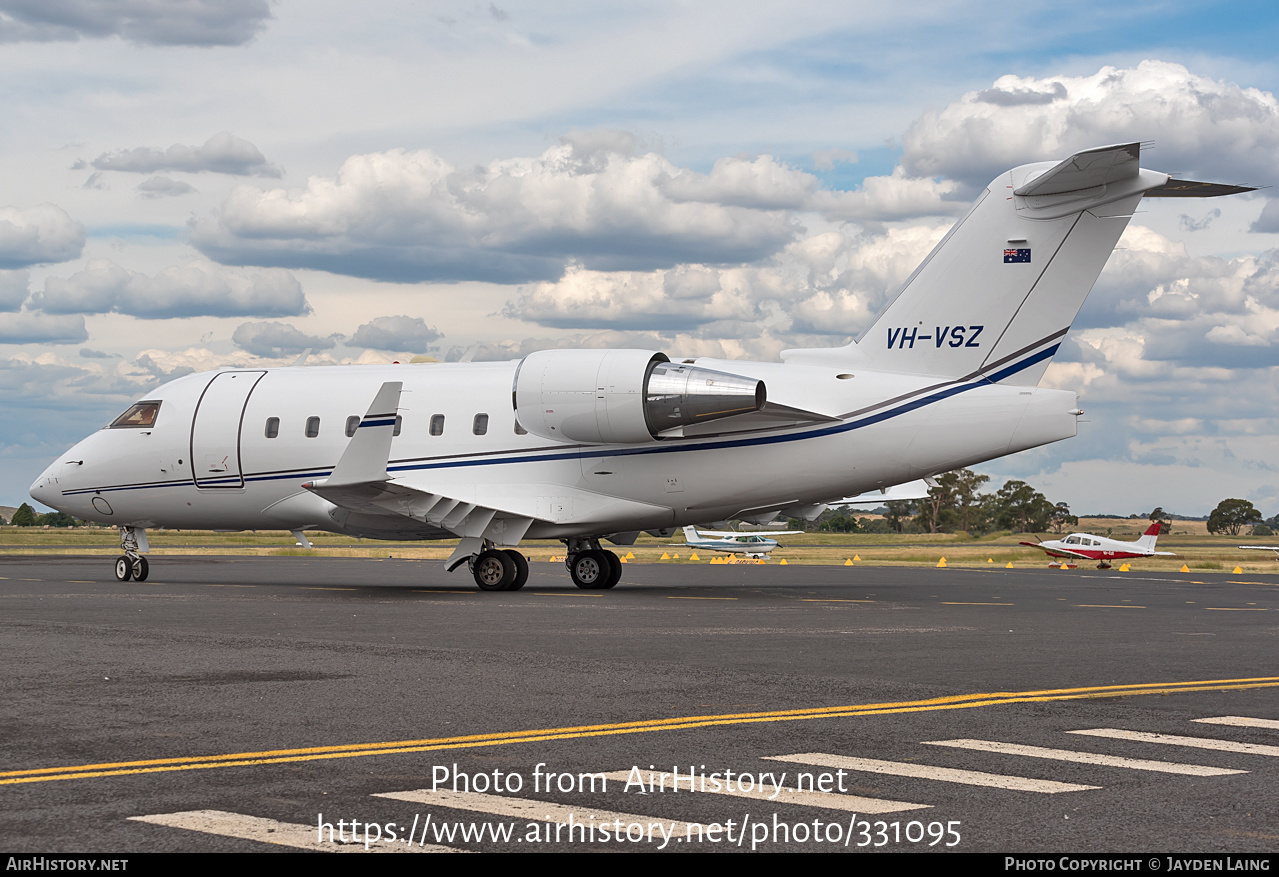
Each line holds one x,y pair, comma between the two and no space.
521,568
614,571
123,569
141,570
493,570
589,570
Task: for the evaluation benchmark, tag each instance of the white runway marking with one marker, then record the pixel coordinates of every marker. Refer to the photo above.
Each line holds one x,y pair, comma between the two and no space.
1174,740
1084,757
1241,722
269,831
824,800
928,772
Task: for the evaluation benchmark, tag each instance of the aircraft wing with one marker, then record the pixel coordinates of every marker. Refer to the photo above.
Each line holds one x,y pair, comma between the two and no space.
909,491
733,534
1057,550
501,512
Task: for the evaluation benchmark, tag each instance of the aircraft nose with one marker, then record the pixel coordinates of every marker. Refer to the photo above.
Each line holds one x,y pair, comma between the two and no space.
41,488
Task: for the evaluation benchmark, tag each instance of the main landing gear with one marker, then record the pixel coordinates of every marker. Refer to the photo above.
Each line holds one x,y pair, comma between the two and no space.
499,569
132,565
591,567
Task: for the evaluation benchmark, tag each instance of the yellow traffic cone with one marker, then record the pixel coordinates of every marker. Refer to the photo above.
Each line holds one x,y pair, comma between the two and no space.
990,560
1185,568
857,557
1009,566
1238,570
784,562
941,563
665,556
694,556
1123,567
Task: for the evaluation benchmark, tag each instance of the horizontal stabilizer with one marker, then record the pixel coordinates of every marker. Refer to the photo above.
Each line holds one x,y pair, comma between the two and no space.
1086,170
1193,189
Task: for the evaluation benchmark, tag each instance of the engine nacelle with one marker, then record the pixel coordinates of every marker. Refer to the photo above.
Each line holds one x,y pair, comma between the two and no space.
623,396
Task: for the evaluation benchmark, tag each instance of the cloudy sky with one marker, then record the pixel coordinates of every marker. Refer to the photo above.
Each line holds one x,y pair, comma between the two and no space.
205,183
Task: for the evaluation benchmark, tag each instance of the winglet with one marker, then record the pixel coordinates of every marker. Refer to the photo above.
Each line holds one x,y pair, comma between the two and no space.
364,459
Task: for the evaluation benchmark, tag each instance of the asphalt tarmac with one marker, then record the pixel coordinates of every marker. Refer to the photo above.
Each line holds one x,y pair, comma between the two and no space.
233,704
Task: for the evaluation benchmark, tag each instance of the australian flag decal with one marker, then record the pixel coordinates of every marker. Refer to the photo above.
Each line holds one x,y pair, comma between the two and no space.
1017,255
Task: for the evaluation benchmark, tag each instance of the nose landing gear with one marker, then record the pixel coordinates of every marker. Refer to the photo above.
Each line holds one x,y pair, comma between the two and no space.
132,565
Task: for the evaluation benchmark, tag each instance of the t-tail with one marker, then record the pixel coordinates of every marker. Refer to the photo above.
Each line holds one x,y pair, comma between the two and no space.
996,296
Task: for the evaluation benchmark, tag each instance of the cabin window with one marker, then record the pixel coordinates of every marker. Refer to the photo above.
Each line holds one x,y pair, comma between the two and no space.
352,424
437,424
399,424
313,427
481,424
272,427
519,430
141,414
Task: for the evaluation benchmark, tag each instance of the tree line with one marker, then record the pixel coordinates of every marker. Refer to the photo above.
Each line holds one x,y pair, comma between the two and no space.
956,504
25,516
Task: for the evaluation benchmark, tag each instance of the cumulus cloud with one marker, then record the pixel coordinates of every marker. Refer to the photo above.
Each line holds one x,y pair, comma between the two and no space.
26,327
1192,311
13,289
222,153
150,22
44,233
274,339
1268,221
197,289
593,199
163,187
828,284
1206,128
395,333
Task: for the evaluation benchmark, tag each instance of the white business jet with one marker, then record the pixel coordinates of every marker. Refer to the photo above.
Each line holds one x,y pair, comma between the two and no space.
587,445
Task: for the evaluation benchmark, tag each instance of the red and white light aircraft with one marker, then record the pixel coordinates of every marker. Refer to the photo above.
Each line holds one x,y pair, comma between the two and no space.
1085,546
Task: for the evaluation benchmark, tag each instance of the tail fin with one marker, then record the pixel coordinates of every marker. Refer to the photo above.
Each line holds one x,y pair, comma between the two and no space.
1147,539
690,535
997,295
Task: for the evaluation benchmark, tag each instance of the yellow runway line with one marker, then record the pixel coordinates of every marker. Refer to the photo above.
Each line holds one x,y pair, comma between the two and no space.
471,741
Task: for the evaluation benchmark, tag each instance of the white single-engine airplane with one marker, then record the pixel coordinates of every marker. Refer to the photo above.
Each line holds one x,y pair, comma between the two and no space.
1086,546
584,445
758,544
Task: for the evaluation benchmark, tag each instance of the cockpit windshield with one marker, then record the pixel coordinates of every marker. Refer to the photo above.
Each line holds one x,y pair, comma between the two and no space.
142,414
